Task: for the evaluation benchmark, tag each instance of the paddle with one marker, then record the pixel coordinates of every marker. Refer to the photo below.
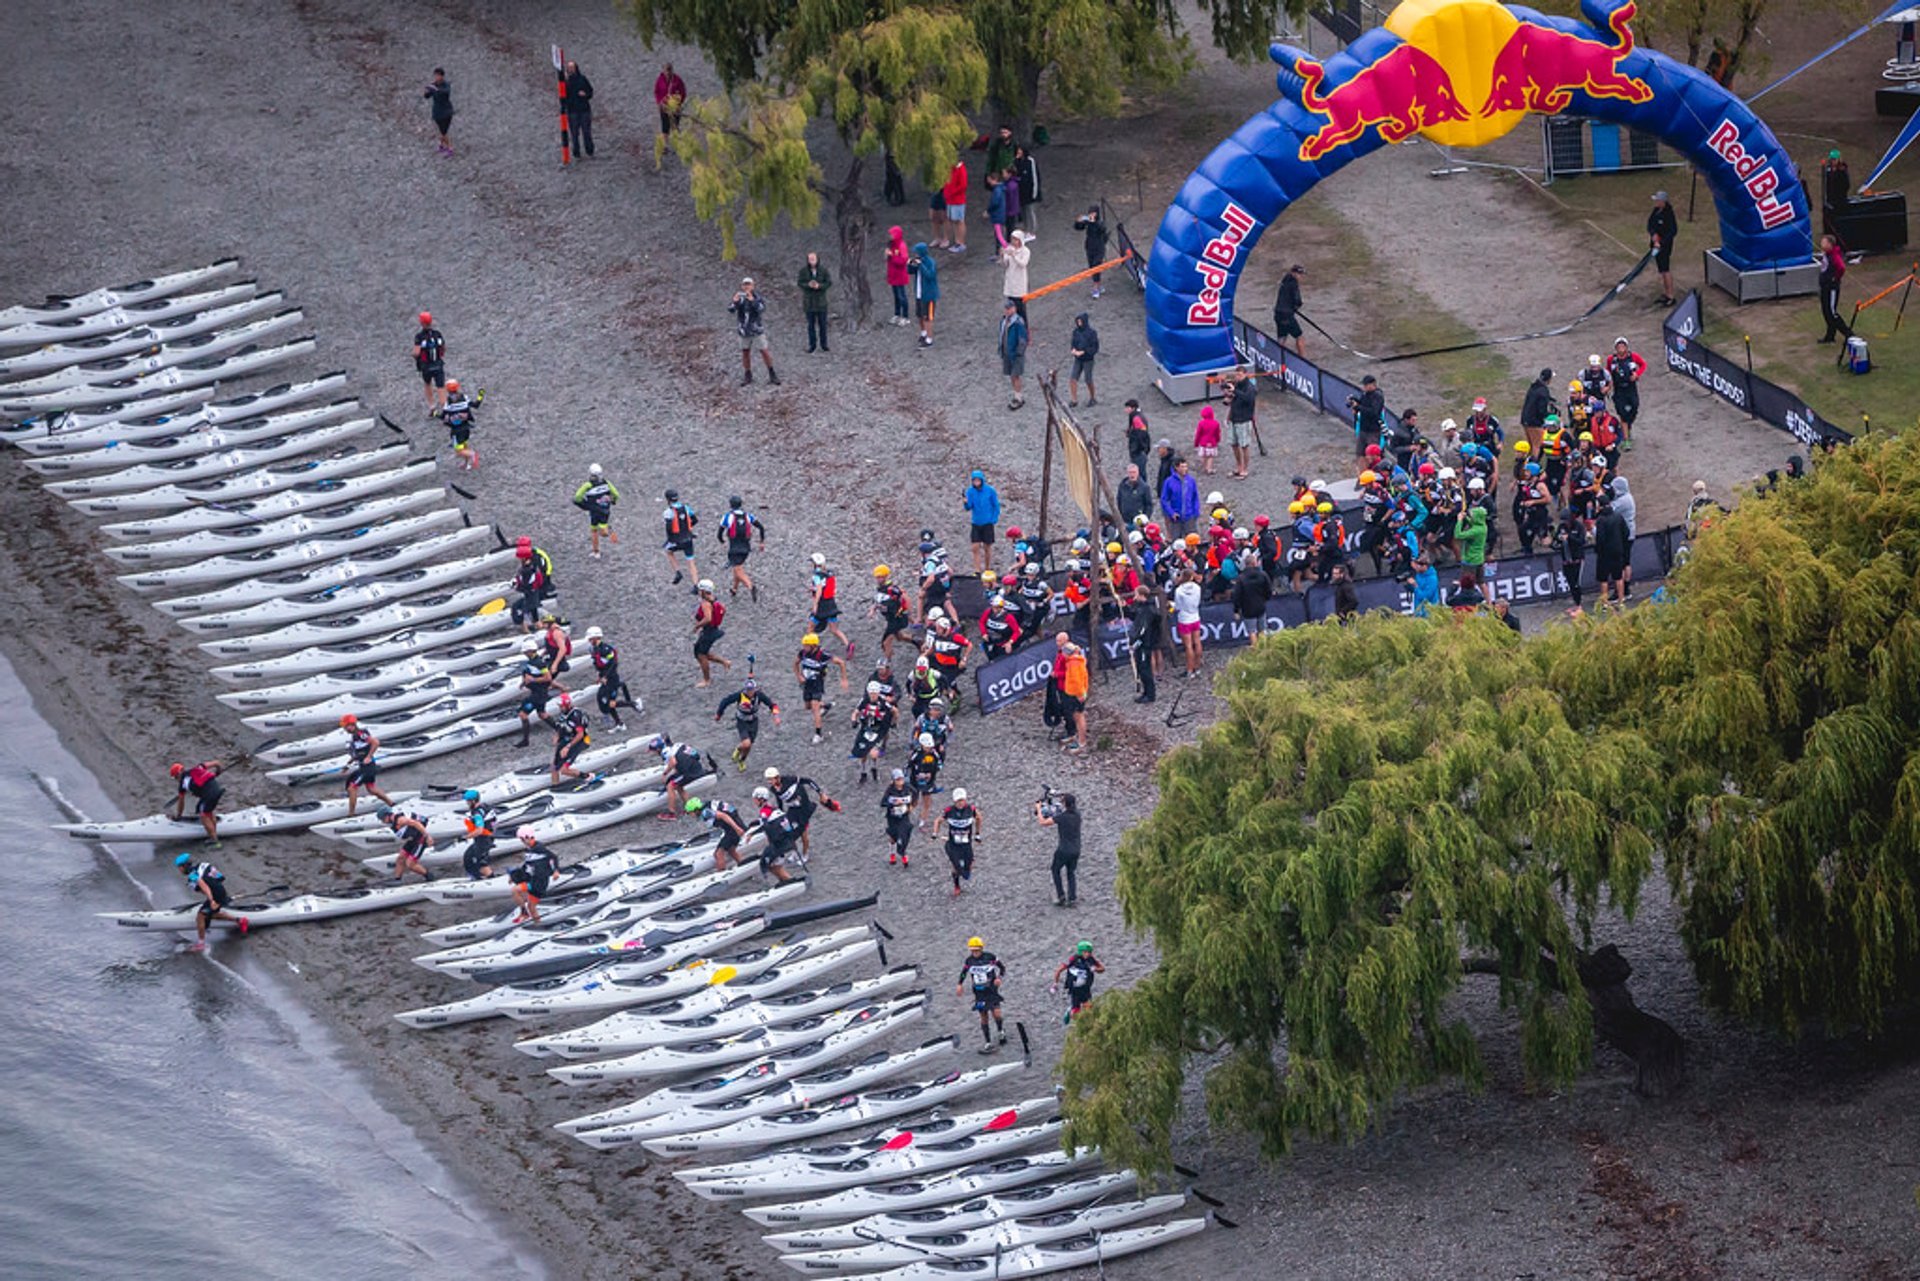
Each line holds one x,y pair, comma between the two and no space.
1026,1046
392,426
881,930
1215,1202
492,607
466,494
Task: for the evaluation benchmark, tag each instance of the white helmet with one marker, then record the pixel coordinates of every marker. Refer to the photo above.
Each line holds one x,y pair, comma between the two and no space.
529,645
762,795
998,602
1240,532
1447,424
935,614
770,773
926,740
873,687
818,559
596,470
1593,361
1448,473
959,794
705,585
594,633
943,624
1216,498
1316,484
921,663
527,835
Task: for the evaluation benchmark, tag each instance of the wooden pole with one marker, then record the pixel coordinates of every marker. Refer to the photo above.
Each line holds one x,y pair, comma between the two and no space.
1046,458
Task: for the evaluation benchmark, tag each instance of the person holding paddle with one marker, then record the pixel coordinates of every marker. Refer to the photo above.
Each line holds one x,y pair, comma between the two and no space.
202,782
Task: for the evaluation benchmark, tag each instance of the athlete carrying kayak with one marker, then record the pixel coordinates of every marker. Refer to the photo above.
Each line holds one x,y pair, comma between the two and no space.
724,819
208,881
202,782
981,973
457,414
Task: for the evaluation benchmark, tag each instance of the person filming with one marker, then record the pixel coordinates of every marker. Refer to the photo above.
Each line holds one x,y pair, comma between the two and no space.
1059,811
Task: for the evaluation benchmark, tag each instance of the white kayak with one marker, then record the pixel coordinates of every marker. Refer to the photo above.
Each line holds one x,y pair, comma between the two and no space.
374,704
961,1216
105,297
398,724
762,971
150,425
495,1002
396,586
35,333
255,820
313,550
404,643
405,613
596,811
374,565
318,906
630,1035
204,466
918,1160
186,376
190,439
778,1083
840,1114
626,931
935,1127
707,1056
347,460
148,361
660,892
305,496
595,869
156,333
912,1194
483,728
367,682
447,822
273,533
997,1240
1085,1251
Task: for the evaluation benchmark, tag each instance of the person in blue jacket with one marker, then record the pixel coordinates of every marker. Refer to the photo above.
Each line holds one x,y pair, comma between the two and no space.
1426,585
926,289
982,502
1180,499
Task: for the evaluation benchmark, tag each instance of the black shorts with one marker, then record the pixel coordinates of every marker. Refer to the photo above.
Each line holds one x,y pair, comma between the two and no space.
221,898
897,626
1288,328
534,701
1082,369
208,798
729,841
442,122
1663,258
682,543
363,775
478,854
747,730
459,433
707,639
986,998
923,308
737,555
433,372
813,692
980,533
564,753
1608,571
1069,705
825,612
924,786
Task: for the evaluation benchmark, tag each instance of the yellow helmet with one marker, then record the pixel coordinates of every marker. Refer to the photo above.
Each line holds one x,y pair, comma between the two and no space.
1369,477
1114,549
881,571
1219,513
1325,508
1294,509
988,576
1576,385
1522,447
1586,437
810,638
976,941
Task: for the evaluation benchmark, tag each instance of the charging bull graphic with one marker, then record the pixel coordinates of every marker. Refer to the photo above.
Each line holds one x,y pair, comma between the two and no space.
1460,73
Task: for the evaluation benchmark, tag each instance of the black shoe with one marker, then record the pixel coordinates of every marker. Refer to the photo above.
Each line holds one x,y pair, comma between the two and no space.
746,377
677,577
1060,902
773,376
1144,698
810,349
824,347
1073,902
1827,339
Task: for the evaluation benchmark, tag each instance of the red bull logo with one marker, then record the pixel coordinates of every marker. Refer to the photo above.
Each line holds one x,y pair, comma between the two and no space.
1407,90
1537,67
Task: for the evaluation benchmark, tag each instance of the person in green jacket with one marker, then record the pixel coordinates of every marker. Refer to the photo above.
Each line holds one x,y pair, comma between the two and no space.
1470,531
814,283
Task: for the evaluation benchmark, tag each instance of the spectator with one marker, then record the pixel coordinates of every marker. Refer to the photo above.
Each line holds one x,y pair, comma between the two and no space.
982,502
670,96
1085,345
1244,391
1206,439
1622,496
1026,171
1662,227
1186,619
1011,206
1000,150
1504,612
1139,438
1426,584
1534,410
749,317
925,273
1134,496
898,276
1702,510
1286,308
1612,545
1346,601
1369,415
1833,267
1165,468
1180,499
1145,621
815,281
1252,589
1070,673
441,94
1465,595
956,193
937,218
1573,552
1470,533
1013,352
1095,229
579,110
996,205
1013,283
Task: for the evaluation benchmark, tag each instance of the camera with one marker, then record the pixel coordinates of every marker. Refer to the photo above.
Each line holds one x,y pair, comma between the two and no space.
1049,803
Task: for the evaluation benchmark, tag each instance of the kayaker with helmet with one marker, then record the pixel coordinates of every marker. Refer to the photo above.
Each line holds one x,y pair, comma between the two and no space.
896,806
363,767
961,822
782,833
596,497
801,798
1078,971
810,668
536,687
532,583
708,614
678,520
683,766
414,838
430,358
612,693
531,878
570,738
891,606
745,707
724,819
457,414
202,782
923,773
737,530
480,820
206,880
825,616
980,976
872,721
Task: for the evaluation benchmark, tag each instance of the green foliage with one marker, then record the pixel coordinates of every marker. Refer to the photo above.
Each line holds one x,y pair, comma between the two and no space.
747,161
1377,801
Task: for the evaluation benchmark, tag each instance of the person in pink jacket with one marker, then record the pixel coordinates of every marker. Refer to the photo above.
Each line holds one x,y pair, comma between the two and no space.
956,193
897,255
1206,438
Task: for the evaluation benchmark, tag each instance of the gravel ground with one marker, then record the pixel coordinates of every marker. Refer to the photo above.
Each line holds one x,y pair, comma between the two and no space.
589,303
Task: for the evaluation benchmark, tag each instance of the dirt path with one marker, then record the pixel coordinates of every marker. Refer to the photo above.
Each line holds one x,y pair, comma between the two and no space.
590,304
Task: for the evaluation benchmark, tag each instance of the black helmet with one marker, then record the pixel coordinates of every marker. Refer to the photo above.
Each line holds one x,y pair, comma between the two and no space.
736,501
673,495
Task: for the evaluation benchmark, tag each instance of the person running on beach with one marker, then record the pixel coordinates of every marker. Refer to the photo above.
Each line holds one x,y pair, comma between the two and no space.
570,738
536,686
737,530
440,94
678,520
1078,970
531,878
780,855
430,359
596,497
826,602
414,838
480,820
202,782
745,707
612,693
980,974
810,668
362,767
683,765
801,798
532,583
707,617
961,823
207,881
724,819
457,413
890,604
896,805
872,721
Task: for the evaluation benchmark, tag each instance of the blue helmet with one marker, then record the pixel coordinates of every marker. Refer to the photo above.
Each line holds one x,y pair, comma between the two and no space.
183,860
471,795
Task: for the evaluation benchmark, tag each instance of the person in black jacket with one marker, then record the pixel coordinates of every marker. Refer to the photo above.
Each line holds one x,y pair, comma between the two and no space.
1573,551
1026,171
1144,621
1662,227
1096,232
1133,496
1833,268
1612,546
1139,437
441,95
1286,308
1251,590
579,110
1369,413
1085,346
1534,410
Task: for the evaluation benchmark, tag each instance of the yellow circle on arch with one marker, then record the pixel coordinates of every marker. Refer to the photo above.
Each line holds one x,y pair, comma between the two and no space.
1464,36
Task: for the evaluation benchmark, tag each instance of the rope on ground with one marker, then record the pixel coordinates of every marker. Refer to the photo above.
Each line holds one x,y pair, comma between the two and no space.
1614,292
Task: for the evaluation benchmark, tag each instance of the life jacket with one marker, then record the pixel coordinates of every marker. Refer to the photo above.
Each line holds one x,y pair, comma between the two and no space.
1073,675
680,518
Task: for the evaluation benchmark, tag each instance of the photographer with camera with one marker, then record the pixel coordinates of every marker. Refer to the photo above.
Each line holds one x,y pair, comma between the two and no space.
1059,811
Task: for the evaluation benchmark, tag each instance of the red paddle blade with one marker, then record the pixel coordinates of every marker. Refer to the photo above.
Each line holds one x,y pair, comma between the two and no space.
898,1141
1004,1120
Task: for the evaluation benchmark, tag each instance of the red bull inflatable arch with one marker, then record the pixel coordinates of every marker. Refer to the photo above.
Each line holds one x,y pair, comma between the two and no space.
1463,73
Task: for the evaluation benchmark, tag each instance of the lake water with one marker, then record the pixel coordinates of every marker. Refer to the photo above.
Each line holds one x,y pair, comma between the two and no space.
164,1116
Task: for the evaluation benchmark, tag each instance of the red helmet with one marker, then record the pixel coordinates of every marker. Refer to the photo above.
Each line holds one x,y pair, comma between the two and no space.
1427,469
1262,521
1013,532
349,721
524,549
1153,530
426,318
176,769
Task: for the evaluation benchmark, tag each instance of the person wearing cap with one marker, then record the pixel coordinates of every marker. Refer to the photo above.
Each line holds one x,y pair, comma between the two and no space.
210,884
596,497
1662,227
1243,393
430,359
363,768
202,782
896,809
1483,427
1084,344
1094,229
980,976
411,831
749,317
708,615
1535,408
961,824
1013,351
439,96
814,281
1369,415
1286,308
982,502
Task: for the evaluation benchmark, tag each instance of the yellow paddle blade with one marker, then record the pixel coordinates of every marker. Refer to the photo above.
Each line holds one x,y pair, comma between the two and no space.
493,606
721,975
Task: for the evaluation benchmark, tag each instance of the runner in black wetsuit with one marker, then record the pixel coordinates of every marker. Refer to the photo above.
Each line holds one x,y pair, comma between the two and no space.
412,832
810,667
737,530
531,878
724,819
481,821
570,738
797,796
980,976
896,804
363,768
745,707
872,722
532,583
782,833
683,766
206,880
923,773
596,497
612,694
536,686
999,629
1078,971
890,605
430,358
457,414
882,675
202,782
961,822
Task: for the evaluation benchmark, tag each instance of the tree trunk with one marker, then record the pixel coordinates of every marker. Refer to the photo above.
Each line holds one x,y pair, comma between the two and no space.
855,220
1750,13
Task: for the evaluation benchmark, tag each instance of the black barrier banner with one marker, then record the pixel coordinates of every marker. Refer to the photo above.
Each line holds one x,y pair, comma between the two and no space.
1731,381
1262,352
1519,580
1136,266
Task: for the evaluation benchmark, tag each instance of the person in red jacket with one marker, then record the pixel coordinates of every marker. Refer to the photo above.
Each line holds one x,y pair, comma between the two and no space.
956,193
670,95
897,276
